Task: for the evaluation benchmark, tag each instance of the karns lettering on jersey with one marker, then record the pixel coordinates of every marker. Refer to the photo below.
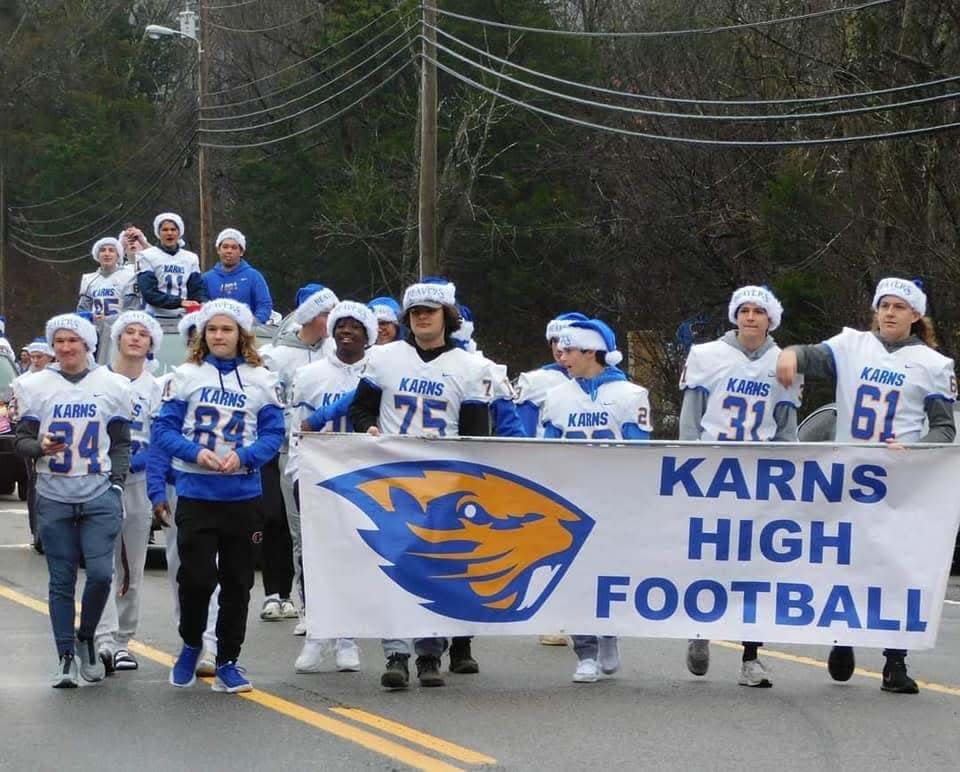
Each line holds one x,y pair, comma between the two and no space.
883,377
421,386
587,420
81,410
213,396
747,387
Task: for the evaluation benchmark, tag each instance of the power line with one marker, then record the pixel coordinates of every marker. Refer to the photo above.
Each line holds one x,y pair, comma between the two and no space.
170,158
704,116
319,88
229,5
51,260
266,29
690,101
667,33
156,140
119,221
317,125
697,141
322,102
309,58
312,76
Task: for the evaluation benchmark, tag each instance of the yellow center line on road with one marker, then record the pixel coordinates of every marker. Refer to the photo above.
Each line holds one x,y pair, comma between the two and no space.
318,720
811,662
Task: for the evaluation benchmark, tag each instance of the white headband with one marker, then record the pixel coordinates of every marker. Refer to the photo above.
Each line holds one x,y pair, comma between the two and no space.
430,295
759,296
232,233
137,317
239,312
903,289
349,309
76,324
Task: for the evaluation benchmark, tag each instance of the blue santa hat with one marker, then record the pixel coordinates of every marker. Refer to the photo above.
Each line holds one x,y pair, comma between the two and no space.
559,323
431,292
465,333
88,315
592,335
386,309
313,300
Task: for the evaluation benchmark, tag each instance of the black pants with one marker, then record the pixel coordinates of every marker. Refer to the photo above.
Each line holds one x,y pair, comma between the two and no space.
276,551
215,540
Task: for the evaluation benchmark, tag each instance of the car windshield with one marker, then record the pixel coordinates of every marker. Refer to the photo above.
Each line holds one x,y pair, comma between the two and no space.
7,373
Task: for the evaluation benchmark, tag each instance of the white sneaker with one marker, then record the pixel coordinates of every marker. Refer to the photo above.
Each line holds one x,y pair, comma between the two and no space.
587,672
348,655
301,627
271,610
609,654
312,655
287,609
753,673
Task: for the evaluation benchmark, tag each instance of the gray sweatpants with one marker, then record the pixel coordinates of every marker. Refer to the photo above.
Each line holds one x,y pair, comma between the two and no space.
293,521
121,615
587,646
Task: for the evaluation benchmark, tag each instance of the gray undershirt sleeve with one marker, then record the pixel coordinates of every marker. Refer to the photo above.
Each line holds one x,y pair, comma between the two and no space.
815,360
691,414
940,419
785,416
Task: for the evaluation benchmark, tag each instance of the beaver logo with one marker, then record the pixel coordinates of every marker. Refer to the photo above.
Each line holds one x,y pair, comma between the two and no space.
476,543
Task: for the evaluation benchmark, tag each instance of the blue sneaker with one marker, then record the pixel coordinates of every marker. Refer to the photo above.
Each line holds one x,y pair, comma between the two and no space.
231,678
184,671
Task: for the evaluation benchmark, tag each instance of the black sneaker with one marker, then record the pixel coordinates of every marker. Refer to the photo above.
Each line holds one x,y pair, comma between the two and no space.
841,663
124,660
106,657
397,674
461,661
428,671
895,678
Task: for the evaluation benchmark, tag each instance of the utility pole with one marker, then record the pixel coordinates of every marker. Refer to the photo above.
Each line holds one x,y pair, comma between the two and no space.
429,261
3,242
206,215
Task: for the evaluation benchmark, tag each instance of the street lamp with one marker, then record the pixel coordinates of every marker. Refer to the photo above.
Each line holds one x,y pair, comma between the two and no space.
191,29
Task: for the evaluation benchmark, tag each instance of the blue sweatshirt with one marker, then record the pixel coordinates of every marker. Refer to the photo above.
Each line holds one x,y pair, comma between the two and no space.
167,435
244,284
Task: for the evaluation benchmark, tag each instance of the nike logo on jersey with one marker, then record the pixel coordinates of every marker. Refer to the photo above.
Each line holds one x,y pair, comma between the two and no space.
881,376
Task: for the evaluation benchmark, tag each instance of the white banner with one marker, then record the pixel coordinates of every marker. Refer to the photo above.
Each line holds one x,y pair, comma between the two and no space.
824,544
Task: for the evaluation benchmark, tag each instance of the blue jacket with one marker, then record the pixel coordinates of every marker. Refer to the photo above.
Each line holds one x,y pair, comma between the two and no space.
244,284
167,435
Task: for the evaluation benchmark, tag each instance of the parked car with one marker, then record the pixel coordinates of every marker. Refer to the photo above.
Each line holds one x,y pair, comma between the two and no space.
820,426
13,470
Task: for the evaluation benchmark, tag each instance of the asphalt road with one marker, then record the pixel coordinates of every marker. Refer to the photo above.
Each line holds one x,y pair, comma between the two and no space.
521,712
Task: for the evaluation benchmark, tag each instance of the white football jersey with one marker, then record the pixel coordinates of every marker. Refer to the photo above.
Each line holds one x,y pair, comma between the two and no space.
172,272
105,295
77,413
222,408
147,393
742,393
314,386
570,409
533,386
881,394
424,398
